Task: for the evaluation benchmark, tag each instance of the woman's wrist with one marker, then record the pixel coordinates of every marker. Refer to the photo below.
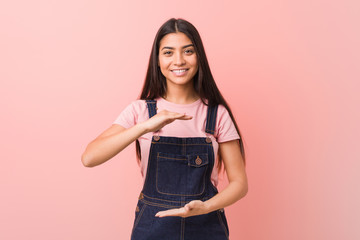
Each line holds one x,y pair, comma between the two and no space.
142,128
209,207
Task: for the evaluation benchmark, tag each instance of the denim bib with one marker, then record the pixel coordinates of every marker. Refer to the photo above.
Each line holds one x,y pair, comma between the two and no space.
179,171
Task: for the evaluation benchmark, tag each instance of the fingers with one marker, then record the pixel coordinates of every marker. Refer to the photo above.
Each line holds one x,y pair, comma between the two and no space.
181,116
172,212
163,118
185,117
174,115
192,208
170,117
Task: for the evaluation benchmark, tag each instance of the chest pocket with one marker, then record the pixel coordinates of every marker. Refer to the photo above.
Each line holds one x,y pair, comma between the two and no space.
181,174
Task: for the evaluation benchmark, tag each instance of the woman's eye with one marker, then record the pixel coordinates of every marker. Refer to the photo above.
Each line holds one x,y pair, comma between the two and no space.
167,53
189,51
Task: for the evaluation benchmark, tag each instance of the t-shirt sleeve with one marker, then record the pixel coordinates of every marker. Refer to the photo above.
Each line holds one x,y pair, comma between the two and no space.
225,128
130,115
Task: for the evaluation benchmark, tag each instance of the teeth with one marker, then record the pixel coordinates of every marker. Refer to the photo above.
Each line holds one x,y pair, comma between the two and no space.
179,71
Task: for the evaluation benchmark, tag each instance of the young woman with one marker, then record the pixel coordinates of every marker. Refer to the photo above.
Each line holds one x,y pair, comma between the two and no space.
184,132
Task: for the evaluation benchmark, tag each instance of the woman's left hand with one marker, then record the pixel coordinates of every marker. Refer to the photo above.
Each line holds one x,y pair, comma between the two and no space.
193,208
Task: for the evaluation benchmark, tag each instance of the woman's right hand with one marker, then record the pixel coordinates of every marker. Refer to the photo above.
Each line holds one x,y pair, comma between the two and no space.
163,118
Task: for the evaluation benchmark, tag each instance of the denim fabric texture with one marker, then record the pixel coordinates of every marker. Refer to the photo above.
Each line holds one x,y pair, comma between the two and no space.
179,171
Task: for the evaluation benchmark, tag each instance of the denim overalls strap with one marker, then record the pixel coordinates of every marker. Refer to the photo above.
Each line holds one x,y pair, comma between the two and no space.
151,105
211,119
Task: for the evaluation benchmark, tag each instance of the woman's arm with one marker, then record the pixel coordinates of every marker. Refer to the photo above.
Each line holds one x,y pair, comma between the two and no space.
114,139
235,171
235,190
109,143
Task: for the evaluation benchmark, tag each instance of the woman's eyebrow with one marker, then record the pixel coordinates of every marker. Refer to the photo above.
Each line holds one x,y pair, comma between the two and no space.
189,45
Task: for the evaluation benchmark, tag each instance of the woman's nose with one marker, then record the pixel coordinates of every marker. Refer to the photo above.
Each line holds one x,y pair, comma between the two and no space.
179,59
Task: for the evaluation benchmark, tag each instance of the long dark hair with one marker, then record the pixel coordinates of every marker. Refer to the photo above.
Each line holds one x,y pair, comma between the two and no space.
204,84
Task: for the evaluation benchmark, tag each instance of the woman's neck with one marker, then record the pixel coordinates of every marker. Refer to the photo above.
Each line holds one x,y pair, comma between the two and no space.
181,94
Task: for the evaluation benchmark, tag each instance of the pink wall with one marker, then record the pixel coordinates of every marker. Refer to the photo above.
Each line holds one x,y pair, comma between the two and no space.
289,69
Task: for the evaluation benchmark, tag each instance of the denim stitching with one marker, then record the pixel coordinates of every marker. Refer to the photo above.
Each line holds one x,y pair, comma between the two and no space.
211,117
174,194
184,147
208,128
152,110
222,224
215,115
152,107
148,168
188,144
211,127
159,204
138,218
149,109
182,228
202,199
187,195
206,161
207,119
172,158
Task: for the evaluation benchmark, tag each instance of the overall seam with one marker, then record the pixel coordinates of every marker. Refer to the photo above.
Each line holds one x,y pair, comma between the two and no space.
180,144
148,168
211,121
207,119
214,119
184,147
182,159
159,204
222,224
203,199
138,218
182,228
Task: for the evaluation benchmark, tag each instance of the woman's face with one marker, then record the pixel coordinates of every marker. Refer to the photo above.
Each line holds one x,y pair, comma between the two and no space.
177,59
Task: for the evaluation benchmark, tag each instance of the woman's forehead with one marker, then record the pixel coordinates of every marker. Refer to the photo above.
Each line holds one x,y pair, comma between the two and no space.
177,39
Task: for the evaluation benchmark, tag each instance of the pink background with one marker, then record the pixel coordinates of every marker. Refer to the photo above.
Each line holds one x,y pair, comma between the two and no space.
289,69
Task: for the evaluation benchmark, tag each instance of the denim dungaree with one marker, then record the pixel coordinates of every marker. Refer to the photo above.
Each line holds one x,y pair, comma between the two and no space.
179,171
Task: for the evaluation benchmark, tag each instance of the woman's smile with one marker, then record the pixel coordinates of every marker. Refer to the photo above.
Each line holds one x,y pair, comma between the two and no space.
179,72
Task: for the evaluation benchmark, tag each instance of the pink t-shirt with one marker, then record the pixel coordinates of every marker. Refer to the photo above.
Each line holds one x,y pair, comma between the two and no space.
137,112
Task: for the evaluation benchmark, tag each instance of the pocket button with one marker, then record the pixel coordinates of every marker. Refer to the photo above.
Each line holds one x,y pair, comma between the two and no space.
208,140
198,161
